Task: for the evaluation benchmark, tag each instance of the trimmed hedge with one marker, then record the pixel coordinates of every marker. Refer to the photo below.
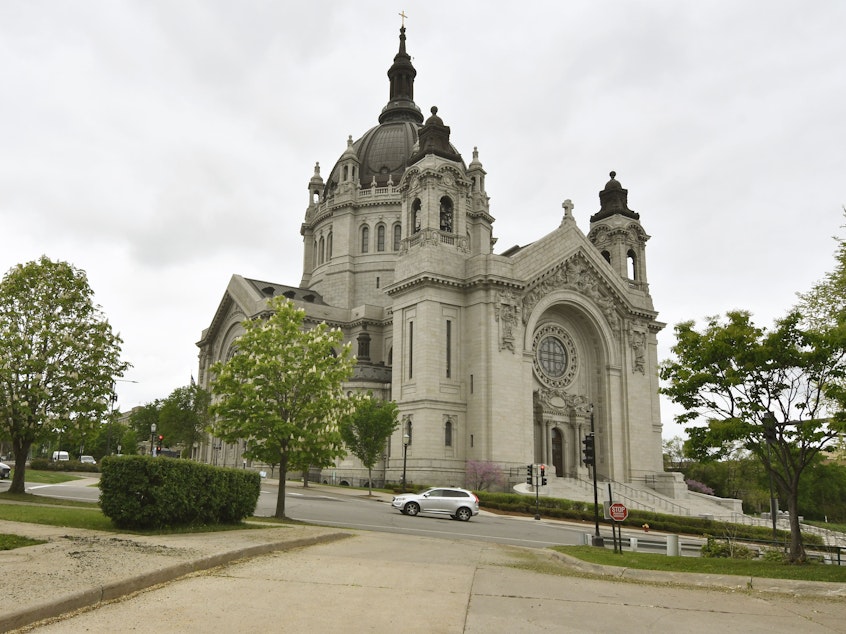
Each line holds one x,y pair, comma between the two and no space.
42,464
583,511
143,492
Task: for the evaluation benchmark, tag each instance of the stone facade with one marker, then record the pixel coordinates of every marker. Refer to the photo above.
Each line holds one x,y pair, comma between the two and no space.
503,358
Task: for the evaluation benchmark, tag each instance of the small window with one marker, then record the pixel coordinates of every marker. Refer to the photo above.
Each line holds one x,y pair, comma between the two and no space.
329,247
380,238
448,434
607,256
397,236
365,239
321,252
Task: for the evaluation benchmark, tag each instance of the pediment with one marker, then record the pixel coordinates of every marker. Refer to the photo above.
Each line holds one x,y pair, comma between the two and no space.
577,273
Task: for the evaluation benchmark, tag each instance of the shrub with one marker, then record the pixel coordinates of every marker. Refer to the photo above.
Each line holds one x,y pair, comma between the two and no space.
727,549
143,492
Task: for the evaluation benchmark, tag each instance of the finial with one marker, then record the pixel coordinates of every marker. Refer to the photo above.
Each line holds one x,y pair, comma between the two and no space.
349,141
475,153
317,168
434,110
613,174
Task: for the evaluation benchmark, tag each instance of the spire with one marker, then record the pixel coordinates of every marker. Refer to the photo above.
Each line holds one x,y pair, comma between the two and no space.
401,106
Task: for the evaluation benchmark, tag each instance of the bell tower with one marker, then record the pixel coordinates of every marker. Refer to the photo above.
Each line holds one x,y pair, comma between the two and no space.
616,231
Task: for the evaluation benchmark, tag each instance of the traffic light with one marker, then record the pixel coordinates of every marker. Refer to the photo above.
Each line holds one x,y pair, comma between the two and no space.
543,475
529,475
589,454
159,445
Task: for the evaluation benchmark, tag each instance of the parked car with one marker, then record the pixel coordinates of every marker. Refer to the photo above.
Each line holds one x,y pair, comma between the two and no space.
5,470
60,456
459,504
87,460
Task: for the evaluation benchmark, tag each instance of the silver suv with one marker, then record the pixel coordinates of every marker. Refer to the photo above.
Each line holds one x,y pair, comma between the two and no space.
459,504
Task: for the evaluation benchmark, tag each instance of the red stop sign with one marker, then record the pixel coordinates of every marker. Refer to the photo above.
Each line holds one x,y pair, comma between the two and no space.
618,512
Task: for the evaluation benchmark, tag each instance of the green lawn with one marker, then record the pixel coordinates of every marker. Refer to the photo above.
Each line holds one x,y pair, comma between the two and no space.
47,477
10,542
742,567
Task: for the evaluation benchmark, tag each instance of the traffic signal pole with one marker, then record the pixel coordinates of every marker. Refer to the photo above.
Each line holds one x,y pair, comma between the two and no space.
597,539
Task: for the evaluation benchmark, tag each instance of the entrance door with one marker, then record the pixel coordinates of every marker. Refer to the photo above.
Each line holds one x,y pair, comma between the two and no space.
558,452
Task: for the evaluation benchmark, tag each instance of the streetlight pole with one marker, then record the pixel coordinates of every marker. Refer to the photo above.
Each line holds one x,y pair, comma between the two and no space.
152,438
405,439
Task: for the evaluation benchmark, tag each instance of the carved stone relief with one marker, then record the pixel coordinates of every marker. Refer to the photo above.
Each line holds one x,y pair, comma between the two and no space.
507,312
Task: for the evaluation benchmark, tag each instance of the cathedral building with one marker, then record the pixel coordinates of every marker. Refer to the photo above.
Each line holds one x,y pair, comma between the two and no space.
509,358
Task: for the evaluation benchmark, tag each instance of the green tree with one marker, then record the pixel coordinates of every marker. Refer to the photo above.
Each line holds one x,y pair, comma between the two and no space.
184,415
282,391
771,391
142,419
366,430
58,357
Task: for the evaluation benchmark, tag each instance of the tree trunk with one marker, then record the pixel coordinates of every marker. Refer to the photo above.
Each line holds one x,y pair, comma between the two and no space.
21,450
797,549
369,481
280,497
305,478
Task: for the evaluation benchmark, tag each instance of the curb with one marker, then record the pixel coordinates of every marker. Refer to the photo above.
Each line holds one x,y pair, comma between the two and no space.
109,592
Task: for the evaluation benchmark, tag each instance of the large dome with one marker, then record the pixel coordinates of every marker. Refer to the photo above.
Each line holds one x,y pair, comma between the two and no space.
383,153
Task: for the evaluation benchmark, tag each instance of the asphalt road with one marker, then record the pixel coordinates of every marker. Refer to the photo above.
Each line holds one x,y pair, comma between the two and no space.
355,509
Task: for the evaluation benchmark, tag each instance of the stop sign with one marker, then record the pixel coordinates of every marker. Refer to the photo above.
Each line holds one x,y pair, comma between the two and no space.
618,512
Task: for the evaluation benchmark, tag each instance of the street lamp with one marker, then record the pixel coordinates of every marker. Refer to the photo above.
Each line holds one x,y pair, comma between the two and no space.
152,438
405,439
769,436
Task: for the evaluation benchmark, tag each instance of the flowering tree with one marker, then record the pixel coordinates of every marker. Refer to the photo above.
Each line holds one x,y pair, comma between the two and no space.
58,357
281,391
483,475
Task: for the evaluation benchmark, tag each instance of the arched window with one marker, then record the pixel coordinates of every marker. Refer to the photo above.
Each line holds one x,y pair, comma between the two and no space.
314,254
415,215
365,239
321,252
448,434
346,172
446,214
607,256
380,238
397,236
329,246
632,261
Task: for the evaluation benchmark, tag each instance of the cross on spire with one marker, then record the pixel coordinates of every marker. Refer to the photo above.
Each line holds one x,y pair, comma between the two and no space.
403,16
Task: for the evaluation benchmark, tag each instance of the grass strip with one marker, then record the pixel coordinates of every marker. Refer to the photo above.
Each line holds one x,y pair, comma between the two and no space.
705,565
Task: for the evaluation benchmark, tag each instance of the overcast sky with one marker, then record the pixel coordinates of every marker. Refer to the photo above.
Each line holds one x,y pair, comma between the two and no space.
162,146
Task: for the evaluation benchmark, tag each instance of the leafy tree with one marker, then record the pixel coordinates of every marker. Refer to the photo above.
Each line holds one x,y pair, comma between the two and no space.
770,391
58,357
481,475
184,415
142,419
282,391
366,430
